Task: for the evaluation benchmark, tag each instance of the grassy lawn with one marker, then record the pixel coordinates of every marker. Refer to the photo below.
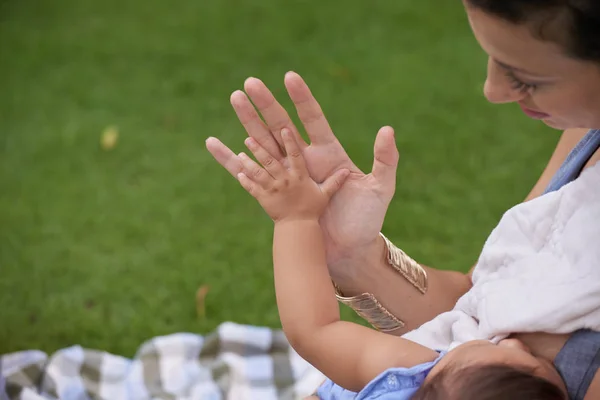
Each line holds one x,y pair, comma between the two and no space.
107,248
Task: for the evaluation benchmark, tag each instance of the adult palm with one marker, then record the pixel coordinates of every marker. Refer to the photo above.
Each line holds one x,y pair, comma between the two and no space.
355,214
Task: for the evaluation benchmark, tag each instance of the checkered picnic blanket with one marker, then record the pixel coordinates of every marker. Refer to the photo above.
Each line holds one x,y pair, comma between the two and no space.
237,362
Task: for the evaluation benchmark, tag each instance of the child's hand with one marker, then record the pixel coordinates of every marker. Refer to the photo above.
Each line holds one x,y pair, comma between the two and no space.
286,193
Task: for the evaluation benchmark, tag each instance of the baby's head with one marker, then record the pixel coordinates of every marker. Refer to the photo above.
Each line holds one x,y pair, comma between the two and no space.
484,371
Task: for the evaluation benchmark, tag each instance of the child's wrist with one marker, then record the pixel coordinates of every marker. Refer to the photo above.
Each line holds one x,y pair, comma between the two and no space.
297,220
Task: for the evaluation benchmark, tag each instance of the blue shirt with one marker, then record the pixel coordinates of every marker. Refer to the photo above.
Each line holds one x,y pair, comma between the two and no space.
392,384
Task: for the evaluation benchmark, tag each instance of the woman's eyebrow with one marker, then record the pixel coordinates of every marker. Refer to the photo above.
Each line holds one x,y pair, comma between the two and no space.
516,69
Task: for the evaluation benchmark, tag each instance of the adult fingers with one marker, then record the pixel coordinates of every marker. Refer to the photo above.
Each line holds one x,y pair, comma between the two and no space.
386,158
273,113
254,126
309,110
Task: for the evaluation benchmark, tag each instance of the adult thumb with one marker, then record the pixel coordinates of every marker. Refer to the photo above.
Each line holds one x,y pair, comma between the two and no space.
386,155
334,182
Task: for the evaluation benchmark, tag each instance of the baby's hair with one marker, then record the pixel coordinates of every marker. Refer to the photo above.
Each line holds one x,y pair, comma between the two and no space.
489,382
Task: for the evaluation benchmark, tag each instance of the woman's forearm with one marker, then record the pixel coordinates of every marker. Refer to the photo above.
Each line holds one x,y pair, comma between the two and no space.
368,271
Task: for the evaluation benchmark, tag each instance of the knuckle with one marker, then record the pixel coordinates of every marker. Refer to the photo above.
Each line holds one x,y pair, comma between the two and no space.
250,189
297,178
311,114
257,173
268,161
278,124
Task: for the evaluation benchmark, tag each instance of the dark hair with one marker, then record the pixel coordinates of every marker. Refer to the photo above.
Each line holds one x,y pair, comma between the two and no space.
573,24
490,382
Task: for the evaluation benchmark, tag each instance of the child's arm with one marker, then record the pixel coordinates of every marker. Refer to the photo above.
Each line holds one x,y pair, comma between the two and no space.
349,354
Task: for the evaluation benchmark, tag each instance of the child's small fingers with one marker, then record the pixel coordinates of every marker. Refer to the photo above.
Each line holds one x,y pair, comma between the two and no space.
334,182
294,154
247,184
269,162
255,171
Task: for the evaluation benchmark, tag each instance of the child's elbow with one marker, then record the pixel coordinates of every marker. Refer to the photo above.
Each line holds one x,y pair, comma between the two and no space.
294,333
301,340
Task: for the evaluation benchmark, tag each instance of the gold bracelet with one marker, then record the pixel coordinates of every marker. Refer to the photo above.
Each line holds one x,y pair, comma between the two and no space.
369,308
411,270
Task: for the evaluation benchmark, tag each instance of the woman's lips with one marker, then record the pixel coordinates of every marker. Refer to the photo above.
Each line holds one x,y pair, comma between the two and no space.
533,114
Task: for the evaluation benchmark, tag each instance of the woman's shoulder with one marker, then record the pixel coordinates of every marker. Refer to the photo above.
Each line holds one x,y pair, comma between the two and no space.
595,157
568,141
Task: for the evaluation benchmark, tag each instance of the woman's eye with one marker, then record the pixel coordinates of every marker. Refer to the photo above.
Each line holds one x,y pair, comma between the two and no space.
518,84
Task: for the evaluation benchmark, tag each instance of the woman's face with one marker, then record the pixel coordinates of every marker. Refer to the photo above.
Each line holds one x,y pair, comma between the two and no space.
547,84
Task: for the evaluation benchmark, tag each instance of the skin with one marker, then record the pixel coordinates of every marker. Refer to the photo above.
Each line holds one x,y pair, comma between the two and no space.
550,82
540,348
350,354
567,90
354,217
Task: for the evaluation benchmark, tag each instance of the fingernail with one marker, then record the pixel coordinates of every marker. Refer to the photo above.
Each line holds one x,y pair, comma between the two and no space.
236,94
249,142
285,132
251,80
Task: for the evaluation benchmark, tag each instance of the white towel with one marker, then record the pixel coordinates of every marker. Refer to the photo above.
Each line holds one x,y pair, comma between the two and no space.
539,271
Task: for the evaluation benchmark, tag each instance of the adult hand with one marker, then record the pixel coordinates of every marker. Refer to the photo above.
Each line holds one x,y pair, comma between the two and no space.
354,216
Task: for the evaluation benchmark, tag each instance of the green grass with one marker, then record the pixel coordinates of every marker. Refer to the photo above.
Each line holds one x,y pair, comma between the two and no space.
107,248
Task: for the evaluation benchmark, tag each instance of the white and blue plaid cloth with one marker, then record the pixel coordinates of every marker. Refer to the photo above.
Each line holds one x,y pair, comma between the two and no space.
236,362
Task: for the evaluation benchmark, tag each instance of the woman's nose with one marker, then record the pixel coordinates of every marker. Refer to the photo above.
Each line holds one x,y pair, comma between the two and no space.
498,89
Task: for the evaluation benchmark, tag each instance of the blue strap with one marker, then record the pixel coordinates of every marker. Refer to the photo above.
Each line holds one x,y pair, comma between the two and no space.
575,161
578,361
